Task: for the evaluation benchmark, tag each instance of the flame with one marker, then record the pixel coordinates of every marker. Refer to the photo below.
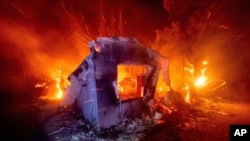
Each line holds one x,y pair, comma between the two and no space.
120,88
55,89
190,70
187,97
59,93
130,80
61,84
200,81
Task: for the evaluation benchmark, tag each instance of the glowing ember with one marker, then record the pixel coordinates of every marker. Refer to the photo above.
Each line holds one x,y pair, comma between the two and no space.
40,85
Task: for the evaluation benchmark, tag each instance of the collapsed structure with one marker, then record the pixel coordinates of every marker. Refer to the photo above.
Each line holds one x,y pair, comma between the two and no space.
94,85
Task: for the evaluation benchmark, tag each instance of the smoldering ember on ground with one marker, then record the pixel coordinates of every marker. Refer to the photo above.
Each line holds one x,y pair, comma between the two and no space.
44,42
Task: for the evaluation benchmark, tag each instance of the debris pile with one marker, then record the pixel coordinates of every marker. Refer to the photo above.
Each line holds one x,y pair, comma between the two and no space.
69,124
171,119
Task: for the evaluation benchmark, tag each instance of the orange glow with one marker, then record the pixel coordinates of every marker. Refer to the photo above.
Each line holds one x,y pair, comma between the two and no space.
40,85
61,84
187,97
200,81
130,81
55,90
190,70
59,94
160,89
204,62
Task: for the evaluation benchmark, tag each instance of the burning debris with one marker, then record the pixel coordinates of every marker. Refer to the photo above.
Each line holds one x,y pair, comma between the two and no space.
198,81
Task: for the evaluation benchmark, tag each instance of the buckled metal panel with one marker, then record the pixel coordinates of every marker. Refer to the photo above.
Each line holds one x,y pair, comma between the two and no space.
87,99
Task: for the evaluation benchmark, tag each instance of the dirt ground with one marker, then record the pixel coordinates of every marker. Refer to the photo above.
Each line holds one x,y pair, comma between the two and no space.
208,119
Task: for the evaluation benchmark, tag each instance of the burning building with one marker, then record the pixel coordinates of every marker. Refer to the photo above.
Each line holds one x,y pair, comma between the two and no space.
97,90
117,79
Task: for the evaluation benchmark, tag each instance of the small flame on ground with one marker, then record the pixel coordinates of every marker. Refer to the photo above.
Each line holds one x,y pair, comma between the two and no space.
55,90
59,94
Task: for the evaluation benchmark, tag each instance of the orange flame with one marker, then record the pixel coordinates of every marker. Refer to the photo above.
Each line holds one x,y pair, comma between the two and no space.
187,97
55,90
200,81
130,81
61,84
197,82
59,94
